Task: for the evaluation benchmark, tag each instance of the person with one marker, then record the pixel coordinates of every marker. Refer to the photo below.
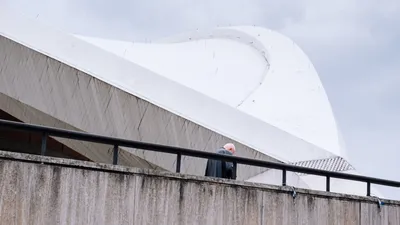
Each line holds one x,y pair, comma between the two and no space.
219,168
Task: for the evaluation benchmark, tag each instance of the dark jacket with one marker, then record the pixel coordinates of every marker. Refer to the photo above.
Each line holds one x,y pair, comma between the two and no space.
218,168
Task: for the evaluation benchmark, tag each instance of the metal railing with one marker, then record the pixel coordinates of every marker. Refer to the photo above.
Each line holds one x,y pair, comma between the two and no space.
118,142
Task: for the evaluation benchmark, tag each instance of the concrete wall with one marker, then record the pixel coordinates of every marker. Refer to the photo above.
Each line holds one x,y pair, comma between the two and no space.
40,190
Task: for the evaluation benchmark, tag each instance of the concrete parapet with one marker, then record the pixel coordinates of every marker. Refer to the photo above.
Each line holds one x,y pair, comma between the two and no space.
44,190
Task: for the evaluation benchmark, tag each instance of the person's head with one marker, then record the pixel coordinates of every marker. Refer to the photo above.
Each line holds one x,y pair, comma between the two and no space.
230,147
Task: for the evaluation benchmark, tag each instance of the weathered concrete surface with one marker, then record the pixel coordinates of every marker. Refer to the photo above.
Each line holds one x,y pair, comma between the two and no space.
41,190
38,89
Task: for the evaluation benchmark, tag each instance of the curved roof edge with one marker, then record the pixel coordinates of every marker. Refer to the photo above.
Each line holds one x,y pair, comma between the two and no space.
229,33
224,32
210,62
299,106
298,72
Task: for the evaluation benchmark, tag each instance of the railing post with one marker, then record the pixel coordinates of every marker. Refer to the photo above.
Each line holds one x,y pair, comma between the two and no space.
328,184
178,162
368,188
234,170
283,177
115,155
44,144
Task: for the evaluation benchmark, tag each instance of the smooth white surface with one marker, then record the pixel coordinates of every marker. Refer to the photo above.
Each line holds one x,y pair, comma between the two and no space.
208,66
291,96
255,70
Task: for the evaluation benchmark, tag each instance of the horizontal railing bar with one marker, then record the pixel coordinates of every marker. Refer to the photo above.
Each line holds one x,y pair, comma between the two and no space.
77,135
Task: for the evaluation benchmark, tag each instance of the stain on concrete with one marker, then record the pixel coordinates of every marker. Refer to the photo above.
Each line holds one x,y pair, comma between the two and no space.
181,192
56,183
310,202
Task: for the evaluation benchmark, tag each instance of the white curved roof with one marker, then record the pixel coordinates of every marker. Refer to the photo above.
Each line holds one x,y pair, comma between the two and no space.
254,70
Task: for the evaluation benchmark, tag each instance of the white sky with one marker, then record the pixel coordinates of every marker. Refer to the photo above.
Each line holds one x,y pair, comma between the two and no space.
352,43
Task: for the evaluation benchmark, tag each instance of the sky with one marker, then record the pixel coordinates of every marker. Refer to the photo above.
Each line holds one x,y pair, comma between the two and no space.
352,44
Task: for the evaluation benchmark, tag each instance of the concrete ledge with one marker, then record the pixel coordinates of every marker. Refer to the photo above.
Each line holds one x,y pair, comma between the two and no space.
44,190
37,159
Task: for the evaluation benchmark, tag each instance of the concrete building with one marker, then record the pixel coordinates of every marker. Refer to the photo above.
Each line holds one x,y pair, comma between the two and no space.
247,85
